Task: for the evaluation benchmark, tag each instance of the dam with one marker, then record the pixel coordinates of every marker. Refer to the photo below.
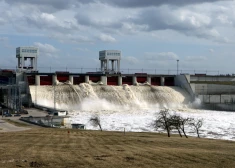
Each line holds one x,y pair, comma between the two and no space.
26,86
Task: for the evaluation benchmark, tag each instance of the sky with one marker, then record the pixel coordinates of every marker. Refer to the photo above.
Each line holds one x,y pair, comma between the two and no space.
152,34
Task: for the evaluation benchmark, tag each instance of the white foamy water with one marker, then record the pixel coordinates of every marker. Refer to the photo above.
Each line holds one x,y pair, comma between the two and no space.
132,107
87,97
216,125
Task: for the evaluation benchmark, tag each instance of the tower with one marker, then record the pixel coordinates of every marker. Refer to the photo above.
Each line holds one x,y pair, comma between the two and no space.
110,56
24,54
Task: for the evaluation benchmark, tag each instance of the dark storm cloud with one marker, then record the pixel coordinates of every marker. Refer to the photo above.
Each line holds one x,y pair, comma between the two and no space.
146,3
64,4
57,4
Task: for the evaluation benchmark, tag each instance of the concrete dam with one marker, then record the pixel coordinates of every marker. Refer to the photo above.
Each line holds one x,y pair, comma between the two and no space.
27,86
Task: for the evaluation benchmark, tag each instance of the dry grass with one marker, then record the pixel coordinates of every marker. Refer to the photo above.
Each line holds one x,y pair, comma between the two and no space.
46,147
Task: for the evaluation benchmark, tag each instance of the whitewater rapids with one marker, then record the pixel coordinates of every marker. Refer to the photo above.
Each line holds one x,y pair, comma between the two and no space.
131,107
99,97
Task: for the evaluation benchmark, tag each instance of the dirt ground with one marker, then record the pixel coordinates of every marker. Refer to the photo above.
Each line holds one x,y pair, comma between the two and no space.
52,147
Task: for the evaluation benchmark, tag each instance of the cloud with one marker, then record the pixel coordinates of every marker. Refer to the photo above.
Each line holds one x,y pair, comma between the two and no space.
149,3
190,21
44,4
82,49
3,39
61,4
46,49
125,17
195,58
131,60
107,38
211,50
46,21
2,21
161,56
70,38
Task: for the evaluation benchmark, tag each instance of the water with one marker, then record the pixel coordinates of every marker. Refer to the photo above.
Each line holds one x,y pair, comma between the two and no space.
132,107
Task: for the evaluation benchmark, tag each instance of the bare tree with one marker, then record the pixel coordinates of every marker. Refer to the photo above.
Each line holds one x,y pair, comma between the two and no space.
95,121
163,121
175,123
167,122
197,124
182,122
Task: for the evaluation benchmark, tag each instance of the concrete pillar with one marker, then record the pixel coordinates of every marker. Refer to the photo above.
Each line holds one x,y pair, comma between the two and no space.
149,80
119,80
162,81
103,79
134,80
71,79
118,65
37,80
107,64
54,79
86,79
112,63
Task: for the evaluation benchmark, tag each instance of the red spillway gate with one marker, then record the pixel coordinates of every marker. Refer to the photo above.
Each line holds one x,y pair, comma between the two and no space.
78,79
169,81
62,78
156,81
141,79
112,80
94,78
127,80
31,80
46,80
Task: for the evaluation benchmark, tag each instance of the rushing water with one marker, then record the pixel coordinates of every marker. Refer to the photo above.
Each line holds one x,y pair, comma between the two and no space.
131,107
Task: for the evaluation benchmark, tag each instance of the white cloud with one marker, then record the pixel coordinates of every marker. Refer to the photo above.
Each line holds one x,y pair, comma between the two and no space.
161,56
46,49
107,38
196,58
3,39
211,50
154,25
46,21
2,21
47,17
82,49
130,60
70,38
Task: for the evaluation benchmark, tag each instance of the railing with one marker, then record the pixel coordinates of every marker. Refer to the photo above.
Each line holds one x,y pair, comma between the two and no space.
51,69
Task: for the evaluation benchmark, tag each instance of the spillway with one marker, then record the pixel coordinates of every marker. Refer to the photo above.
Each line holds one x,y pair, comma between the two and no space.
101,97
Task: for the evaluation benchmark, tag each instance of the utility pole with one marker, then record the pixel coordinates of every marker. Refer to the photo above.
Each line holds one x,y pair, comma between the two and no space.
177,67
54,98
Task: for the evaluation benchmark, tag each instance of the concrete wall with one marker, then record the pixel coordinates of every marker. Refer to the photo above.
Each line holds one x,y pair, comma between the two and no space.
223,98
221,107
183,81
212,78
214,89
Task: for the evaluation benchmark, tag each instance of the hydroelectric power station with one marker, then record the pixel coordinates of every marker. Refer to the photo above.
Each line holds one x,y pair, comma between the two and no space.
26,85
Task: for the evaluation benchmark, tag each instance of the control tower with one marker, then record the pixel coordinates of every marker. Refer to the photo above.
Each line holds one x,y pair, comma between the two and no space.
110,56
24,54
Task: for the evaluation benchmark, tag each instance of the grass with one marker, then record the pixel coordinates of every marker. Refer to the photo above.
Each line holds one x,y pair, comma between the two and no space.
52,147
18,124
